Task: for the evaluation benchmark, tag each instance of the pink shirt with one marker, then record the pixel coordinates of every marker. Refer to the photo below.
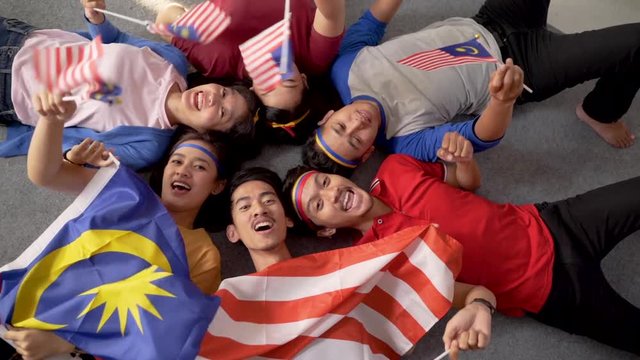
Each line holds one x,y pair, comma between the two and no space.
313,52
144,76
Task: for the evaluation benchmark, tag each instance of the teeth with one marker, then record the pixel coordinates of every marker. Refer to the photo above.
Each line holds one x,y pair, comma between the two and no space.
263,225
200,101
181,184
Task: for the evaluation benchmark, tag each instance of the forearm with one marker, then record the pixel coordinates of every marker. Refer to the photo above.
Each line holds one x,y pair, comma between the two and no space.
330,17
468,175
45,164
494,121
384,10
464,294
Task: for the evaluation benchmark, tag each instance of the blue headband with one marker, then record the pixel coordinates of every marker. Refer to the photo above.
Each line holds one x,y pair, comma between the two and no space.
327,150
207,152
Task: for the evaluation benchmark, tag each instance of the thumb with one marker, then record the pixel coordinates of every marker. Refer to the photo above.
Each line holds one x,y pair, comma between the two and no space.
453,355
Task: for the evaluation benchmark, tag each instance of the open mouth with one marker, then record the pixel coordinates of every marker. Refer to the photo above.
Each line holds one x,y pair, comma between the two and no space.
365,116
263,225
347,199
180,186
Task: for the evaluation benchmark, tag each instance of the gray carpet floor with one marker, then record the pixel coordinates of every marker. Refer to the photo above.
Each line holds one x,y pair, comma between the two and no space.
548,154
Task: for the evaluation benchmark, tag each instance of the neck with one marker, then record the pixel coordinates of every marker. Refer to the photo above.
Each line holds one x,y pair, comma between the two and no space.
264,258
172,104
378,209
184,218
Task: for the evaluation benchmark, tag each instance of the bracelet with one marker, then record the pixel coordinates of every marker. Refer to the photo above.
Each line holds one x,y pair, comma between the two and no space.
64,156
485,302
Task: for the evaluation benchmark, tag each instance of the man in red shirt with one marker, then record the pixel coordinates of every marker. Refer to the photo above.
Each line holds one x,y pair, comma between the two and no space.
542,259
260,223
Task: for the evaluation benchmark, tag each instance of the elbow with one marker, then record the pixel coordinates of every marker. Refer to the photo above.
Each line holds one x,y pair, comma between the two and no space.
38,178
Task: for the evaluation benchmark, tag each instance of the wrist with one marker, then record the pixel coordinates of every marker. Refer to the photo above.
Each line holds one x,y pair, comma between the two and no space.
484,303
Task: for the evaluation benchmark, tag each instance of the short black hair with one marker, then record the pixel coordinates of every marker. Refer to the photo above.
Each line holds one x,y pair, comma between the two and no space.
314,157
289,181
257,174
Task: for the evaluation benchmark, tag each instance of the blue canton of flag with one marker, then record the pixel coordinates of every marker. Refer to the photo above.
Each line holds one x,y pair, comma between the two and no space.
467,52
111,276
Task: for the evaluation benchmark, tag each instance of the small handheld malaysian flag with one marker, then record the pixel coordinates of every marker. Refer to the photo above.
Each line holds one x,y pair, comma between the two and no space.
263,56
203,23
467,52
66,68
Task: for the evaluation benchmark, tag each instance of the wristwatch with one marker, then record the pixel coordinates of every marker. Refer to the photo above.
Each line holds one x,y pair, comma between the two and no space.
485,302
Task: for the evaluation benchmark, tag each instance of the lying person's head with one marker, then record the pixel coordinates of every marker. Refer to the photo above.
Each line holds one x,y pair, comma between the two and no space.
344,138
195,170
210,106
325,202
257,212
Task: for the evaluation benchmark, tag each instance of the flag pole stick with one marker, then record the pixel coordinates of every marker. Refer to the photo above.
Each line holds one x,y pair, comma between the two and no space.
284,59
134,20
441,356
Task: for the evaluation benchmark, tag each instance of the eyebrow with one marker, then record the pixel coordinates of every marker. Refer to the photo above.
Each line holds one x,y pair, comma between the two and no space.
261,195
195,158
316,178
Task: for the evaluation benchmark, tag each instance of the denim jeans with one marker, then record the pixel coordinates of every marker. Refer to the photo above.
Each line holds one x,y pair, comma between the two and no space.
13,34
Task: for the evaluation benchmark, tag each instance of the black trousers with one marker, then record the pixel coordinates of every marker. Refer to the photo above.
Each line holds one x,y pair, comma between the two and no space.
553,62
585,228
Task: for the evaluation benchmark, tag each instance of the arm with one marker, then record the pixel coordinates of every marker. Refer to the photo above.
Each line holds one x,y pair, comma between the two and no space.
99,25
384,10
470,328
45,164
462,169
505,86
330,17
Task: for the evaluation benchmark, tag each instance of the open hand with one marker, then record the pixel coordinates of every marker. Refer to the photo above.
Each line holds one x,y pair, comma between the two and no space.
469,329
455,148
506,82
51,106
90,152
93,16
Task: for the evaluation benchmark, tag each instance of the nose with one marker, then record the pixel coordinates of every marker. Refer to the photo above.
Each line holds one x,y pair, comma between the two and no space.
330,195
259,209
183,170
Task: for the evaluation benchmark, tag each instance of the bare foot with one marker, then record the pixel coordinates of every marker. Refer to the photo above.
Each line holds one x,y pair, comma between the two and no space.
615,134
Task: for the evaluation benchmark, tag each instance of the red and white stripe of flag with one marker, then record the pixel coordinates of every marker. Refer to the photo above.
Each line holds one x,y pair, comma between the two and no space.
207,19
68,67
375,300
257,57
436,59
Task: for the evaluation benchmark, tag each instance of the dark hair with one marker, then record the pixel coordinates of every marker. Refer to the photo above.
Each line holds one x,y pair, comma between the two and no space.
289,181
211,215
242,135
316,101
314,157
257,174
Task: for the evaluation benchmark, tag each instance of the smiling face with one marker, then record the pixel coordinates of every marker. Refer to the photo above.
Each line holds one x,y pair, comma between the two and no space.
333,201
189,177
258,216
212,107
287,95
352,130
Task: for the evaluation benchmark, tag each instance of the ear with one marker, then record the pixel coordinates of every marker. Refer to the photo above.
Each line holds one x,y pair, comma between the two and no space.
326,232
367,154
289,222
232,234
218,187
304,80
325,118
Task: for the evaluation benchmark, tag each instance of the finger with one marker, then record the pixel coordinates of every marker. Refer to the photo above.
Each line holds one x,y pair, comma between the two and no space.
449,335
507,81
467,151
463,340
453,355
473,339
445,140
509,61
453,143
460,147
443,154
37,104
483,340
106,159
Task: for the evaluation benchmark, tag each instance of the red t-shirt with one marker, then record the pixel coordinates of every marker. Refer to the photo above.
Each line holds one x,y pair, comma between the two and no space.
313,53
507,248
